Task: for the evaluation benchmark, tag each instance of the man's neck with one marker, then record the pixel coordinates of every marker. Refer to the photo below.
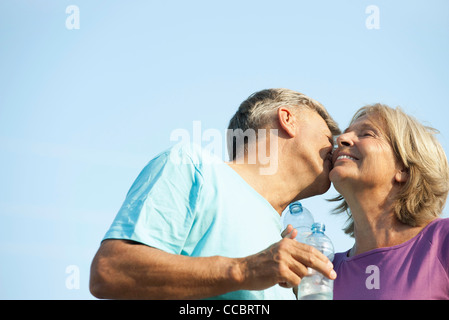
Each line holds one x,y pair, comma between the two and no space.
273,188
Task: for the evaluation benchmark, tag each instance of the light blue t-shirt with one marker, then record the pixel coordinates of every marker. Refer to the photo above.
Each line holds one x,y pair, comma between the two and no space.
188,202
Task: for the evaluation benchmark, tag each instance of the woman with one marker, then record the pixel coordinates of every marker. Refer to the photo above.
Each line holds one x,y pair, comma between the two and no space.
393,178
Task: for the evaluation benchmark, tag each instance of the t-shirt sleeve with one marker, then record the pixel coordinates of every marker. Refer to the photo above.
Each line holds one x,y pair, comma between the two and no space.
443,238
159,208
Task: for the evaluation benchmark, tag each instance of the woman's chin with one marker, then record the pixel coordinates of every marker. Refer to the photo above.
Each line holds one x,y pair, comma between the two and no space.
336,177
333,175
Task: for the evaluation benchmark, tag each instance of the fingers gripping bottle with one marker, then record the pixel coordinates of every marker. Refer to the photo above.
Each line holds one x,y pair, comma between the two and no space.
300,218
316,286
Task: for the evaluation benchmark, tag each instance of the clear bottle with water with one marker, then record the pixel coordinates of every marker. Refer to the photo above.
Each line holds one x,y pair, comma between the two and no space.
316,286
301,219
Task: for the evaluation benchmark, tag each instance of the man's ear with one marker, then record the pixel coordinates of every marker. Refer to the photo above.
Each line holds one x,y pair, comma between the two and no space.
287,121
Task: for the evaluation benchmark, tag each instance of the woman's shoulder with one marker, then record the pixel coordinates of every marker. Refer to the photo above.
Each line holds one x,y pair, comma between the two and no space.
339,257
438,228
437,234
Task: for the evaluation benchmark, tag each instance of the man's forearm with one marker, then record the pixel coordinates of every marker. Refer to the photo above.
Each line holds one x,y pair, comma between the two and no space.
123,270
126,270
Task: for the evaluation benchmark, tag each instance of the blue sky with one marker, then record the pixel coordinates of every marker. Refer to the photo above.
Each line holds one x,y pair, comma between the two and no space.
83,110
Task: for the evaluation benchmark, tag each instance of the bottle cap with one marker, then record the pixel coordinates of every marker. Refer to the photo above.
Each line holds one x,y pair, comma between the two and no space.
318,226
296,207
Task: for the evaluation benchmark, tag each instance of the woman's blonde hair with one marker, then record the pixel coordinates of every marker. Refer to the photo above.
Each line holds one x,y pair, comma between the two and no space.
424,194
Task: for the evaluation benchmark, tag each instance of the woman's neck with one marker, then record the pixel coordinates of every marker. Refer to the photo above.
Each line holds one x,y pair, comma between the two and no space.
375,224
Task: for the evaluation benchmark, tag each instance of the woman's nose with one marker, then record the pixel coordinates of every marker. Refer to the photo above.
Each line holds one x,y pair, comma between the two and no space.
344,140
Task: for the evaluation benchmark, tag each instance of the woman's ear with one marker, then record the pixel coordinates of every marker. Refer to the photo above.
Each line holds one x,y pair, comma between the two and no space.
401,175
287,121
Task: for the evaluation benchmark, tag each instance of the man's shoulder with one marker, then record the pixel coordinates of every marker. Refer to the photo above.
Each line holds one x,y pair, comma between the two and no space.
190,153
180,162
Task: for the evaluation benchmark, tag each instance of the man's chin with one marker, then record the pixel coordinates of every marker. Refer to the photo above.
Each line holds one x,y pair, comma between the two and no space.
324,185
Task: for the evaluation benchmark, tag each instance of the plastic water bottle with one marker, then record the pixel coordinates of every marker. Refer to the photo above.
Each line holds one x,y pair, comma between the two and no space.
300,218
316,286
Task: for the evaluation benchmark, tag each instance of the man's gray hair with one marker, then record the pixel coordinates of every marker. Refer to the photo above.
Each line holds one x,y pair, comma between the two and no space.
259,111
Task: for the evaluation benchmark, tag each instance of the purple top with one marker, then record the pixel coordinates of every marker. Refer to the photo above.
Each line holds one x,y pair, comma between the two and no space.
417,269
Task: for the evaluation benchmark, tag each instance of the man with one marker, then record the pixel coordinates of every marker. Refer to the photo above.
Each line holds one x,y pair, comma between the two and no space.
194,227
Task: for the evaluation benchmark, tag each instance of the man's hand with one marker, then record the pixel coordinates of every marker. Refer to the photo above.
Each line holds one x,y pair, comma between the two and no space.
289,232
286,263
